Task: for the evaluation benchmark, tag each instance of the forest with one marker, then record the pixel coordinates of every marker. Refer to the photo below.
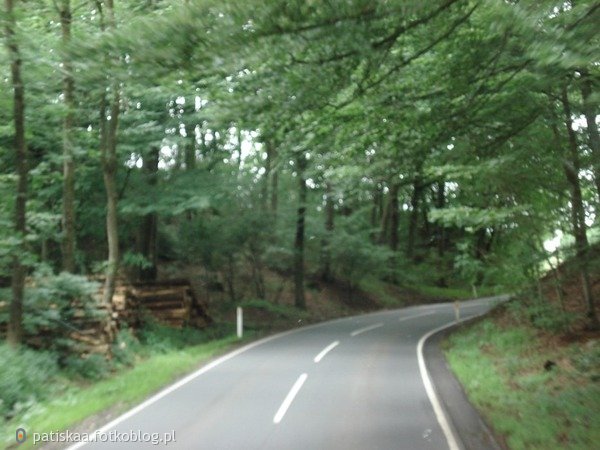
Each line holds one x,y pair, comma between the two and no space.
274,146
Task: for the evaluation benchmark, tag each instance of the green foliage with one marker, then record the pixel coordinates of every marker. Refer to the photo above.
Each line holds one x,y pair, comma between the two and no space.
468,266
26,376
125,348
502,369
56,304
542,314
587,360
158,338
283,311
90,367
130,386
135,260
225,105
473,218
353,258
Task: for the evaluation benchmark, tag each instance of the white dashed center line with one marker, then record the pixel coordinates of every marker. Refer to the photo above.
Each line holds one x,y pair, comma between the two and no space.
365,329
289,398
326,350
402,319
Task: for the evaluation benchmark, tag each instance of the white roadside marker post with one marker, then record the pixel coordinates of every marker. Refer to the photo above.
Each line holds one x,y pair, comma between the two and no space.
240,322
457,310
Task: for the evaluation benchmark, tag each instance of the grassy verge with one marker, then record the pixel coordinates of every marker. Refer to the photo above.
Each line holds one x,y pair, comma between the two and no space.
380,290
529,406
118,392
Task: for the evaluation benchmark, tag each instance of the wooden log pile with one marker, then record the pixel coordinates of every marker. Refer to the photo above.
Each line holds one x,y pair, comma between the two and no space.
92,329
94,334
170,302
88,329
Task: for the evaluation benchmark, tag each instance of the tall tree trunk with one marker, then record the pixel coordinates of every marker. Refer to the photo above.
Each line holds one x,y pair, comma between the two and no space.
267,175
190,131
68,207
329,227
384,230
148,232
274,184
440,203
190,152
394,223
108,155
239,142
394,216
230,279
15,324
589,111
413,223
299,298
571,168
376,211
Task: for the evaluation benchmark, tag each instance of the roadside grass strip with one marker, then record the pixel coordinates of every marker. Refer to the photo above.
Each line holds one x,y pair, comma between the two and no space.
502,370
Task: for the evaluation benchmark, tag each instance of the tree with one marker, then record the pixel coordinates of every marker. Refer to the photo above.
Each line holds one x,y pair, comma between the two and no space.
68,216
109,125
15,327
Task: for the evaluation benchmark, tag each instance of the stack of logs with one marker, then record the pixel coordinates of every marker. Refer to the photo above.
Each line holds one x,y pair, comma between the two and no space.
88,332
93,335
169,302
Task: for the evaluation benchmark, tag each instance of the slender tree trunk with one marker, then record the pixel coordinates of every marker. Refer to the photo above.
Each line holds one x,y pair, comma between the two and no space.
274,183
108,154
109,170
15,324
299,298
239,142
267,176
376,212
394,223
589,111
394,216
190,152
572,167
68,215
190,131
230,278
384,219
254,257
413,223
148,233
441,233
329,227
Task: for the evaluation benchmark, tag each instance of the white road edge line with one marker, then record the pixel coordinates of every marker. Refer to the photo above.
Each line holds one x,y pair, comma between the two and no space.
183,382
289,398
365,329
437,407
402,319
326,350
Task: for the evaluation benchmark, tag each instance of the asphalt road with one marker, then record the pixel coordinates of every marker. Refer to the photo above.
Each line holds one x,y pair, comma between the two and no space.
354,383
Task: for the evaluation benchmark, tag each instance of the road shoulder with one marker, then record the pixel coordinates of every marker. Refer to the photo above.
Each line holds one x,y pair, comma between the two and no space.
467,424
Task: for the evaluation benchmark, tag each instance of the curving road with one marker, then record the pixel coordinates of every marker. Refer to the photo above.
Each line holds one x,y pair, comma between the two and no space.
353,383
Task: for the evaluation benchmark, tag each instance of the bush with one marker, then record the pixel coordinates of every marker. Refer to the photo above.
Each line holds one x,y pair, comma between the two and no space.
54,305
586,359
125,348
271,308
24,378
542,315
162,339
92,367
353,258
